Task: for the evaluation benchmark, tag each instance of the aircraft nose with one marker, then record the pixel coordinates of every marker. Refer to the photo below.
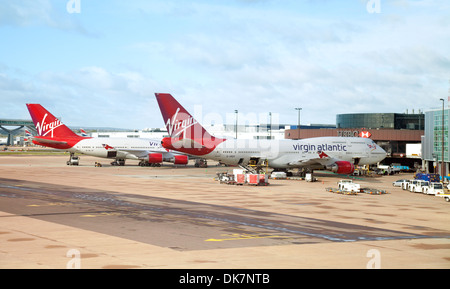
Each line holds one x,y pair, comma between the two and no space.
381,152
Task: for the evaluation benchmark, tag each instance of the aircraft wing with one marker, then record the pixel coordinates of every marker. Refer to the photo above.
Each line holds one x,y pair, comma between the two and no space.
142,154
145,154
139,154
321,159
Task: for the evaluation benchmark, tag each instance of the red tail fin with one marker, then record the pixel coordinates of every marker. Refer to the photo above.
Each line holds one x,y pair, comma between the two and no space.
187,135
48,125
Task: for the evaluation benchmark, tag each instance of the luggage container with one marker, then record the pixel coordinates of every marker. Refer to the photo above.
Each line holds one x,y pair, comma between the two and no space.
253,179
240,179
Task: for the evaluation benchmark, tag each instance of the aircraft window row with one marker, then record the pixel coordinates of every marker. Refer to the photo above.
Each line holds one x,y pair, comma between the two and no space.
119,147
241,152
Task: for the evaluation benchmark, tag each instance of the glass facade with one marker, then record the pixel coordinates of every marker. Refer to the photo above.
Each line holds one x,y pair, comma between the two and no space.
432,141
381,120
438,129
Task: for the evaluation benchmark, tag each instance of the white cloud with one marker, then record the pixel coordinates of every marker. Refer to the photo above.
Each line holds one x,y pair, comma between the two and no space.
255,57
39,13
89,96
26,12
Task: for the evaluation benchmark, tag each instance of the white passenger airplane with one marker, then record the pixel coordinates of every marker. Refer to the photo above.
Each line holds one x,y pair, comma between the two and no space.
53,133
337,154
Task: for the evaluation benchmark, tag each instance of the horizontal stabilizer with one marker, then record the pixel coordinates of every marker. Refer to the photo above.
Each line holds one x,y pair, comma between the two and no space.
49,141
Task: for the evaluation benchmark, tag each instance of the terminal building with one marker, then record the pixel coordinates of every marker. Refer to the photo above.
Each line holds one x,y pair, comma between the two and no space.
398,134
435,142
397,121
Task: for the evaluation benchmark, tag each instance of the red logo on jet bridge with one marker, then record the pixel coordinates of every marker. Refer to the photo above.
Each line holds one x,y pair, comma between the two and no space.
365,134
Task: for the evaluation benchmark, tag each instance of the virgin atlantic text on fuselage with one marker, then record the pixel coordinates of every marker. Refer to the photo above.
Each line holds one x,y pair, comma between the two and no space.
321,147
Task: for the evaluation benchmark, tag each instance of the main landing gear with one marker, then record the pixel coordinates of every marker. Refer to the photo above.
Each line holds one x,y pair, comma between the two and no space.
73,160
147,164
118,162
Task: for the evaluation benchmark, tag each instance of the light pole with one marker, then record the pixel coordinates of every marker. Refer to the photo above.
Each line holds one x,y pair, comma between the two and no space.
236,125
442,158
270,125
298,122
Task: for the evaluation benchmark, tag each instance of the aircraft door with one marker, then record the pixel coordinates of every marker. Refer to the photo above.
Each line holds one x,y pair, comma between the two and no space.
254,161
111,154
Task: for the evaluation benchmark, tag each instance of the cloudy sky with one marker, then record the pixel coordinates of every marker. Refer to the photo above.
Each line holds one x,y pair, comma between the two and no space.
99,63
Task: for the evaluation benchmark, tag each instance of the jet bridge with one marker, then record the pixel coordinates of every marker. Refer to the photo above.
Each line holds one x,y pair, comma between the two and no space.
15,122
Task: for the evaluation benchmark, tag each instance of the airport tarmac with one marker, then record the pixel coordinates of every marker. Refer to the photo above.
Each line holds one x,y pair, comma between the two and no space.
58,216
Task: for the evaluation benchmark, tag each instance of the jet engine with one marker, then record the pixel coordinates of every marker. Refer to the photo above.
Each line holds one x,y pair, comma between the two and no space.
155,158
180,160
341,167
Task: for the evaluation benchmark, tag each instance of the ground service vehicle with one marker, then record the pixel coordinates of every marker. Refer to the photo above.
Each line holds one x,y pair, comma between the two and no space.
418,186
349,186
434,189
407,185
399,183
446,196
